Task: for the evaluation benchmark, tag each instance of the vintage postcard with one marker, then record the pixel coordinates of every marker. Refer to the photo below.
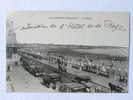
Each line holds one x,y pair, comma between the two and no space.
63,51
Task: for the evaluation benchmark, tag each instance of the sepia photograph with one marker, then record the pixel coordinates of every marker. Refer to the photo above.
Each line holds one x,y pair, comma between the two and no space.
67,51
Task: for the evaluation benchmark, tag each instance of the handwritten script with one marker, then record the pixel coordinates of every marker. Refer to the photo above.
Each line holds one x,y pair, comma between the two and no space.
107,24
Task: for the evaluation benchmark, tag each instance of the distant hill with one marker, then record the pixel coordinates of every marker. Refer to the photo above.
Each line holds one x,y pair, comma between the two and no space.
79,49
67,46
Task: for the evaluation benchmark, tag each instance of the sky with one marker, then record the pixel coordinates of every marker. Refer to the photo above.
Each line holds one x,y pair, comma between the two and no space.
104,35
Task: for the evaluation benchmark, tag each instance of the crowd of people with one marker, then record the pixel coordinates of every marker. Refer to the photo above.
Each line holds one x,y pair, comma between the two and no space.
104,67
